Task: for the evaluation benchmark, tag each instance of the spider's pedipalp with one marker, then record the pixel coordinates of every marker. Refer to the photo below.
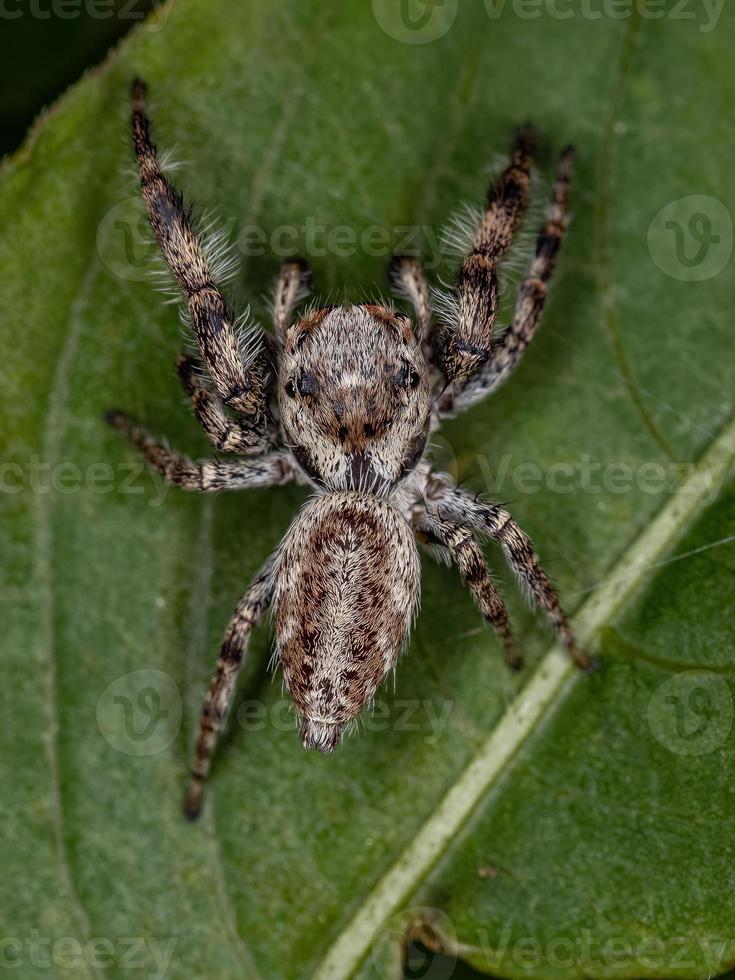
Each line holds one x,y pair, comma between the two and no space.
407,277
292,286
229,435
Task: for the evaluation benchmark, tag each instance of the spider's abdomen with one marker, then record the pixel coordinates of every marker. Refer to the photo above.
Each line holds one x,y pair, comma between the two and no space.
346,588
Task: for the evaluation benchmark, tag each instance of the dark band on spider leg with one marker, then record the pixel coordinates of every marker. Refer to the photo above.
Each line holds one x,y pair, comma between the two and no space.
239,384
522,558
473,568
465,347
495,522
531,295
271,469
230,435
249,611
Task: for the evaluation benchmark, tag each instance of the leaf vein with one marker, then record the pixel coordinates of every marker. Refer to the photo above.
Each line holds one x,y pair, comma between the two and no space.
554,676
53,434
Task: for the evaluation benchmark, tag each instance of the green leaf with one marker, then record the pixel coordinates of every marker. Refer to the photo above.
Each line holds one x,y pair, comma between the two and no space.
549,825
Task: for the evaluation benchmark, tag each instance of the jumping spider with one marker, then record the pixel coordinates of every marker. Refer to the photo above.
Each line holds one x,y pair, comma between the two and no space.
343,399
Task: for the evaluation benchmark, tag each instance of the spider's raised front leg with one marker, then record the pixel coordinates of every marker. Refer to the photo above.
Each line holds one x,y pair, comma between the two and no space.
211,475
460,542
407,277
249,612
531,297
495,522
463,346
240,372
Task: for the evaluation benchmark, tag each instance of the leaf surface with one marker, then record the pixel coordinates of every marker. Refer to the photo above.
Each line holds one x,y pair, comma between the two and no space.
589,821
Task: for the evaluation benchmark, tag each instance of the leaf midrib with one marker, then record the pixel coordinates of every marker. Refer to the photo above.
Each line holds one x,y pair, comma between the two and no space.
553,677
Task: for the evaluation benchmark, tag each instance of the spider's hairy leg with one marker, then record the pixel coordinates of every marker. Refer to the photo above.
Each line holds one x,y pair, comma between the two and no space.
239,376
464,346
211,475
407,277
293,285
230,435
249,612
531,294
495,522
469,559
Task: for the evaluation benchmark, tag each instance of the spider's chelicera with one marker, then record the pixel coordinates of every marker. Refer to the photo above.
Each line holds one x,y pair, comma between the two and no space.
343,399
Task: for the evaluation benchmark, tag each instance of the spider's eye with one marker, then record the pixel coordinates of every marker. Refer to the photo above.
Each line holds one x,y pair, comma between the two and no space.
407,377
304,384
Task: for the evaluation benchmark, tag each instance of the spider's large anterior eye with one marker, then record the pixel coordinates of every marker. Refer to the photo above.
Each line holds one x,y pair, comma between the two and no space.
407,377
304,384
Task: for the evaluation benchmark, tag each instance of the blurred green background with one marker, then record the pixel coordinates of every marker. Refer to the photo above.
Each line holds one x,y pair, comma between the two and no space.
45,45
40,56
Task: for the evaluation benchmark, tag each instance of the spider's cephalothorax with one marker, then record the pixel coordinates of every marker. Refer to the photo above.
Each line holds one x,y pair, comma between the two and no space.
355,397
343,399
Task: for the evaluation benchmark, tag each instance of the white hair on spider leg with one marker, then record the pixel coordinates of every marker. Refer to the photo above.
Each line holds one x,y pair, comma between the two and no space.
357,396
220,252
249,336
